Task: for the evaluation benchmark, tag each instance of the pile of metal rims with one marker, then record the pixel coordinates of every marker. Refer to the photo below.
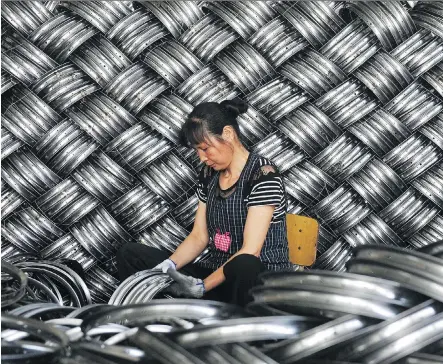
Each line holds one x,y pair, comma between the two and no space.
387,307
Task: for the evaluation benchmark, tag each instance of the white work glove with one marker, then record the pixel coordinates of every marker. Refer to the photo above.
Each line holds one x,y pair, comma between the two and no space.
165,265
185,286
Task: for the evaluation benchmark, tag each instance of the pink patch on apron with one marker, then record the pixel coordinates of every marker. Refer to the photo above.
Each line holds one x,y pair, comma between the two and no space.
222,241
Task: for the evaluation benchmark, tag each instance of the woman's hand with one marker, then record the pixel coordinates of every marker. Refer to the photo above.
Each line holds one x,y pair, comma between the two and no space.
165,265
185,285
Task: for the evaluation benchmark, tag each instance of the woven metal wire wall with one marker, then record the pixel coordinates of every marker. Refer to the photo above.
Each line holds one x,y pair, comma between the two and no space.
345,97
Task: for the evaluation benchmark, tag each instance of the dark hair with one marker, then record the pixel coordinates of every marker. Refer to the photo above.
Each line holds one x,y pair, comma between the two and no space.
209,119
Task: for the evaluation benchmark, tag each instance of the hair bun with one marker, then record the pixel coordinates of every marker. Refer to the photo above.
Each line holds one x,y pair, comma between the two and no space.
236,106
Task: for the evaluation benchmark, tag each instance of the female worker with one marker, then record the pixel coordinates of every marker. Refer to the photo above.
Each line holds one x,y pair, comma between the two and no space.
241,214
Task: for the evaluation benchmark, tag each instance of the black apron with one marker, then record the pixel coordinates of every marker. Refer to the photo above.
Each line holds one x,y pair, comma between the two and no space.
226,219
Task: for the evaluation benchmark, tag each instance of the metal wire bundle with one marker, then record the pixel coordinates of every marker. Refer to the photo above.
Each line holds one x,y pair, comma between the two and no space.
388,307
46,281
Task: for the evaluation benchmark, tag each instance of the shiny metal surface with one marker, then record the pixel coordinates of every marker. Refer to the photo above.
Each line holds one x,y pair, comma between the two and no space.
167,115
327,302
372,230
100,284
432,77
163,349
420,61
29,117
135,87
277,98
22,59
415,338
278,41
51,35
65,278
64,86
67,202
39,177
26,17
65,147
177,16
244,66
317,67
164,234
347,103
242,329
137,147
202,35
345,98
435,249
101,16
135,32
378,184
352,284
350,55
405,278
9,298
342,209
431,184
188,309
67,247
169,182
315,340
249,354
43,231
139,288
380,130
96,52
391,23
429,16
383,334
415,148
99,241
103,178
422,264
278,148
415,105
335,257
207,85
352,155
309,128
409,213
434,129
388,311
7,81
315,29
101,117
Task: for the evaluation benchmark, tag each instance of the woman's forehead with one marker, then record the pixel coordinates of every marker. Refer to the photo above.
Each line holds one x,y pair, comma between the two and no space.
206,143
202,145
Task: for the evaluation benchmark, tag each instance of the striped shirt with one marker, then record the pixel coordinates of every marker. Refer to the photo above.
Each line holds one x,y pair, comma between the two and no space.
265,188
259,184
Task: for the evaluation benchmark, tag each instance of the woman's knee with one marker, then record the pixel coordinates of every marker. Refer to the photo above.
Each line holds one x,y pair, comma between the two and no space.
140,255
126,250
245,265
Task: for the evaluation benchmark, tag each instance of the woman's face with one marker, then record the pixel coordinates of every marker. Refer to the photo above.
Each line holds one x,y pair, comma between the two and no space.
215,154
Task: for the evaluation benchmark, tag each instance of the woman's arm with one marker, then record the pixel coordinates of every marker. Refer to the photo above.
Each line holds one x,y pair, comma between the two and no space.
257,225
195,242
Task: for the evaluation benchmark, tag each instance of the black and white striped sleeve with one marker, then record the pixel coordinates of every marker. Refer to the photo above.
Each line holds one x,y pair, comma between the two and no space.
202,184
267,188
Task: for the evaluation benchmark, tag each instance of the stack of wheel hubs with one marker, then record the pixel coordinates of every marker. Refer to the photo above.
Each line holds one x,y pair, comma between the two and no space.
386,308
